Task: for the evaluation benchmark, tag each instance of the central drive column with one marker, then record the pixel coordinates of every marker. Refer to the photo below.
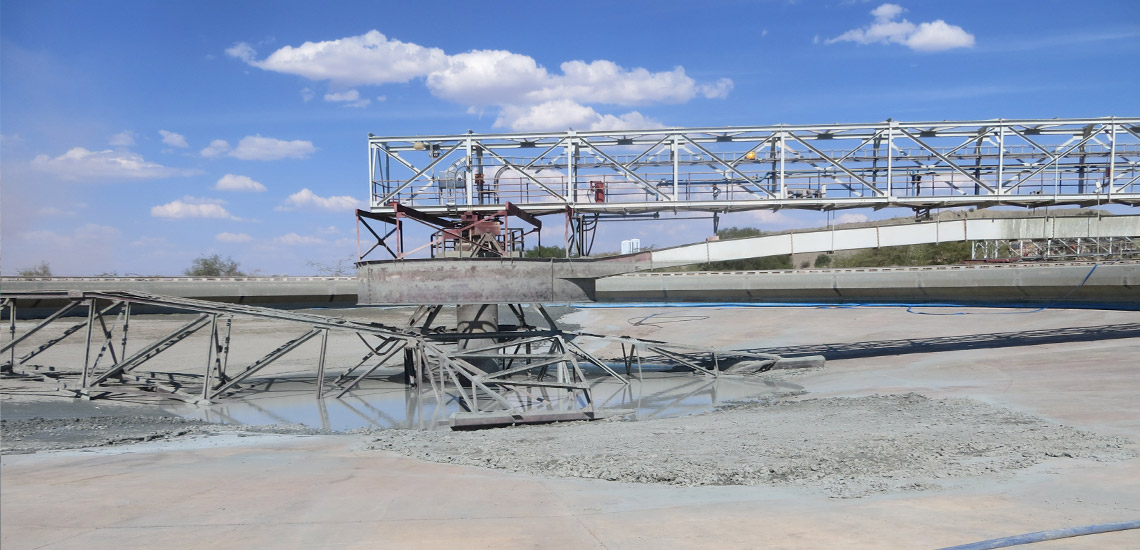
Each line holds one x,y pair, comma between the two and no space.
474,319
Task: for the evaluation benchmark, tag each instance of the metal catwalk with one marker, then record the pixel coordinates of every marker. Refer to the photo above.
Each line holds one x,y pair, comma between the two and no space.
919,165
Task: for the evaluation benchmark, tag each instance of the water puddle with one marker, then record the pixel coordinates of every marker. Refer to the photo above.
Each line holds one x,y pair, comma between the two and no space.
390,404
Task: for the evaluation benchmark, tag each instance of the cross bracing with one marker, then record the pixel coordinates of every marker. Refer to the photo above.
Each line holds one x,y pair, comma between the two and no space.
917,165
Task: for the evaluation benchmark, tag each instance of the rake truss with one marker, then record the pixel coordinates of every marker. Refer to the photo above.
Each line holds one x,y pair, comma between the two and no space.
535,375
918,165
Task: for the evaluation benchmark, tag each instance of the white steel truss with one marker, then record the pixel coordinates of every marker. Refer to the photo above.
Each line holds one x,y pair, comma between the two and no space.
917,165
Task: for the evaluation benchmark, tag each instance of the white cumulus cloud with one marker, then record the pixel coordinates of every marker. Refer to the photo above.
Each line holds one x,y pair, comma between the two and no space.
173,139
370,58
565,113
85,234
293,239
937,36
717,90
351,95
524,91
233,182
126,138
351,98
242,51
192,207
306,199
227,237
217,148
887,28
266,148
82,164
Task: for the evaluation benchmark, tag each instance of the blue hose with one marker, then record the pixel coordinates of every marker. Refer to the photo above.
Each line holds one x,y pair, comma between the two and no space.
1042,536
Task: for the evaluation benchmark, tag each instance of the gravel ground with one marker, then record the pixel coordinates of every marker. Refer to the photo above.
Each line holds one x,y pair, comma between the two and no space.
842,447
53,434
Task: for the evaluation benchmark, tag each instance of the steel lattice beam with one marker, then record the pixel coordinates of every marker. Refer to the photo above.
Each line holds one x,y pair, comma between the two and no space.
726,169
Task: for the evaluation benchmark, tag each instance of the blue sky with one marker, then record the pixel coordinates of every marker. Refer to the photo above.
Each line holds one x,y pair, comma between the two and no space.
137,136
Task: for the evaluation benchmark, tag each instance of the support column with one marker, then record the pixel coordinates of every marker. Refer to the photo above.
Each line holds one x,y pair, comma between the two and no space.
477,319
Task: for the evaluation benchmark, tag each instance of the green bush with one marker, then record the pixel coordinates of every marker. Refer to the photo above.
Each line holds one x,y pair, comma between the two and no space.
214,266
545,252
910,255
42,270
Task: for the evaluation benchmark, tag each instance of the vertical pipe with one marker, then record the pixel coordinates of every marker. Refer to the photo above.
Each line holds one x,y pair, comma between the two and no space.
387,165
1001,157
676,168
782,155
321,362
890,157
399,237
474,319
571,167
1111,159
470,177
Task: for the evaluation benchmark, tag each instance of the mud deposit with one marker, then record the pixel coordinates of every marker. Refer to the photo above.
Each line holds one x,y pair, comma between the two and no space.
43,434
842,447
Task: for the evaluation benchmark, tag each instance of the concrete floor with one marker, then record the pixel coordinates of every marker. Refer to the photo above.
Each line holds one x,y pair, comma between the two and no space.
329,492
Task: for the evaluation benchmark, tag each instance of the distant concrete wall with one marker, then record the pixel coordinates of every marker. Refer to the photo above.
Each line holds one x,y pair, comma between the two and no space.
1114,284
282,292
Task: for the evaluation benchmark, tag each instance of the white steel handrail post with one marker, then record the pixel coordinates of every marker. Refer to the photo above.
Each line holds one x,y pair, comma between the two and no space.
371,177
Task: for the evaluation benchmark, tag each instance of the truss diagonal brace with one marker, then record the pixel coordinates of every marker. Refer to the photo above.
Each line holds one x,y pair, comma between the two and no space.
157,347
397,346
948,162
729,166
524,172
68,332
265,361
1054,160
421,172
62,311
836,164
648,186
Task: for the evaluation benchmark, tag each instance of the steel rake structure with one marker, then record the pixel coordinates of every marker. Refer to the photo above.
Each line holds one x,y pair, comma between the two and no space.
521,373
919,165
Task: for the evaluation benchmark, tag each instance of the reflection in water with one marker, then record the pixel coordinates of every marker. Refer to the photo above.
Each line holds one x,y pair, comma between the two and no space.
391,404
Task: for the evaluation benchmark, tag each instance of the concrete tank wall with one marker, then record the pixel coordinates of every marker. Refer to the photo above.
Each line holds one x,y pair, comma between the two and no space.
1110,285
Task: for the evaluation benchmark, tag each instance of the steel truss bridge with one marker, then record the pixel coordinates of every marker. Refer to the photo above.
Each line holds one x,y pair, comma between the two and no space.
918,165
